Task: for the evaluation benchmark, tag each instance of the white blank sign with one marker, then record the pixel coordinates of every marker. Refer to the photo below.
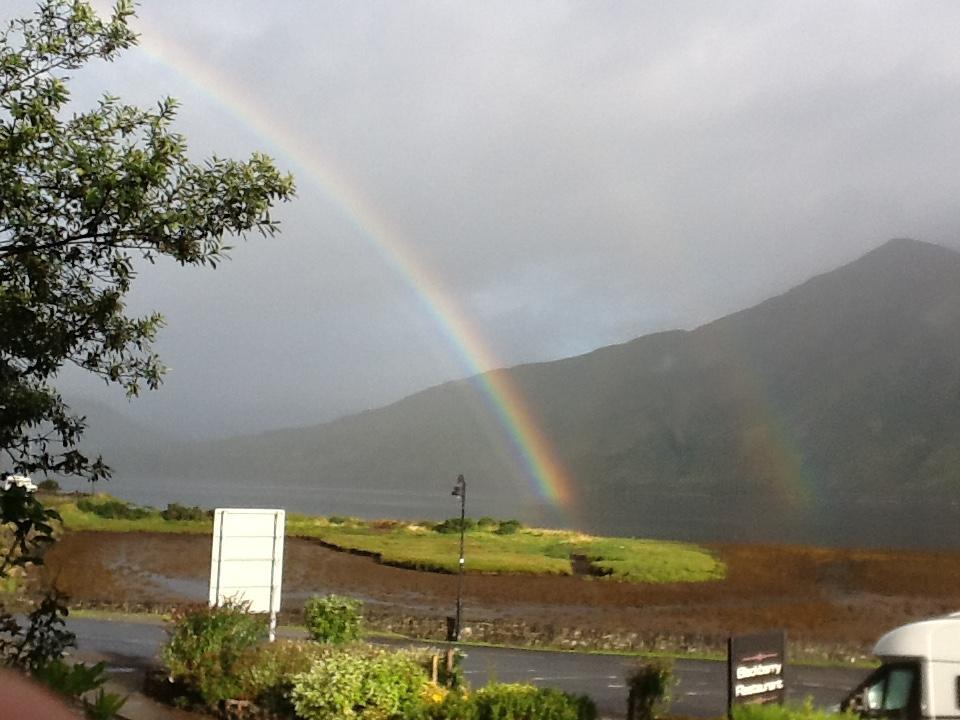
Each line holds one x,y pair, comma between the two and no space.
247,559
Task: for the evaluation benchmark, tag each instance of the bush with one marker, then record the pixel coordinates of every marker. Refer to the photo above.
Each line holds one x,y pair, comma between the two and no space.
365,683
265,673
176,511
453,525
791,711
112,509
514,701
79,680
48,486
453,706
649,684
333,619
509,527
488,523
205,646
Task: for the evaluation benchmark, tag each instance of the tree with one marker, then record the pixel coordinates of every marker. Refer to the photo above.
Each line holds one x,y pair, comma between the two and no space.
85,202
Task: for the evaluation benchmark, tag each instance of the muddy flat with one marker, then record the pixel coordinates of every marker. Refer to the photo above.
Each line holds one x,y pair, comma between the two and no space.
827,598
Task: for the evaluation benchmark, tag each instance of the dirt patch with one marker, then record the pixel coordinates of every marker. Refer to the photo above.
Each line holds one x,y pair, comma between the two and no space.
823,597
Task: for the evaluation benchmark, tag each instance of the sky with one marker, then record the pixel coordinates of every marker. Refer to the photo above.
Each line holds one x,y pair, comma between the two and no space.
487,184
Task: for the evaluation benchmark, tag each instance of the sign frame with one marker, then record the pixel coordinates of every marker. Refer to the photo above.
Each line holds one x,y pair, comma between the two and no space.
756,669
246,559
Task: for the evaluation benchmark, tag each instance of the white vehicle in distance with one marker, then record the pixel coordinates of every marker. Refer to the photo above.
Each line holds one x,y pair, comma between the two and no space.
9,481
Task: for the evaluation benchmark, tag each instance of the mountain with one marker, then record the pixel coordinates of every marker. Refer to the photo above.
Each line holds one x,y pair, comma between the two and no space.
845,387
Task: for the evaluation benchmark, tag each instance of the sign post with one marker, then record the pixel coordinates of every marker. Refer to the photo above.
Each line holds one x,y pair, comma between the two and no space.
246,562
755,669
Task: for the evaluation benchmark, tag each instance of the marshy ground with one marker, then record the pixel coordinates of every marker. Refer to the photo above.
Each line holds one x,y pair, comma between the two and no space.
836,600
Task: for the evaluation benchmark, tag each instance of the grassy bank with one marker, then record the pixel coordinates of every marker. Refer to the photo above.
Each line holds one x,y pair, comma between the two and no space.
492,546
527,550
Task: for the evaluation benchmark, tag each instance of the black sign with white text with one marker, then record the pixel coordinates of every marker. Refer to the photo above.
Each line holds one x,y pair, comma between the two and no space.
755,669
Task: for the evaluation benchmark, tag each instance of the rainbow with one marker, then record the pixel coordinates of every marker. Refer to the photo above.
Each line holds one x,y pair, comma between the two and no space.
545,472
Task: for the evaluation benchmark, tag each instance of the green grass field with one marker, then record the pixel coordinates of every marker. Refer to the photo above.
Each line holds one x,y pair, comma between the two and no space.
529,550
490,547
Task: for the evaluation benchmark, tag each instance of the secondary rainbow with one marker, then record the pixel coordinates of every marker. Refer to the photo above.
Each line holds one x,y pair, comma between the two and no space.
531,447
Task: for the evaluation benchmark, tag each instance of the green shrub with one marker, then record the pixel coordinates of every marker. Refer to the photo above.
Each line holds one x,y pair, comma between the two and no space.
48,486
205,646
451,678
453,525
79,680
333,619
509,527
488,523
112,509
367,683
454,706
176,511
514,701
791,711
649,684
265,672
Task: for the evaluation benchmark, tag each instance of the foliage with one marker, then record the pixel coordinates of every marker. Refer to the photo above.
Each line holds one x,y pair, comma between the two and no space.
48,486
104,705
453,525
265,672
86,199
112,509
42,640
515,701
649,684
206,644
489,524
453,706
76,519
373,683
78,680
26,527
333,619
790,711
176,511
508,527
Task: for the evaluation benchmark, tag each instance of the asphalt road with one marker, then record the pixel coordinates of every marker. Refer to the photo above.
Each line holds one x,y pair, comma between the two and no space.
130,646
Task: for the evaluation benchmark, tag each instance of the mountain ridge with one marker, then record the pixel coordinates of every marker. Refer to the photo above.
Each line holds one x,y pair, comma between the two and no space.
844,385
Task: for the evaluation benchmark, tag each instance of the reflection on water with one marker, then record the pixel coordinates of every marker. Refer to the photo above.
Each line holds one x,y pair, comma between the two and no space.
843,522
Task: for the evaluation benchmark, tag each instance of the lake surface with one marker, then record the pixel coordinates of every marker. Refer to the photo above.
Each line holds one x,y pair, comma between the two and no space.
845,522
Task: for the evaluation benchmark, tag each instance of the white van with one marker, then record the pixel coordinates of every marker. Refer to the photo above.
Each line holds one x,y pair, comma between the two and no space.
920,674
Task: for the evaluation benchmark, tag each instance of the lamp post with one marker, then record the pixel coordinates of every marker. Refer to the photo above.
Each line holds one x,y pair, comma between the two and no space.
460,490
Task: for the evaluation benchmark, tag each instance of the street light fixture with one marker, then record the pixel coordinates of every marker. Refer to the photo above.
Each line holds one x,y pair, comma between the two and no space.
460,490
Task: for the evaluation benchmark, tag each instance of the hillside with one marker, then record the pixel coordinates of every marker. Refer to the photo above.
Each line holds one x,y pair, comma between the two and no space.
845,387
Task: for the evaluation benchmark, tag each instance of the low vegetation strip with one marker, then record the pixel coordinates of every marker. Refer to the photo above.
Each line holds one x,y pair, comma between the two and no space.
106,513
525,550
492,546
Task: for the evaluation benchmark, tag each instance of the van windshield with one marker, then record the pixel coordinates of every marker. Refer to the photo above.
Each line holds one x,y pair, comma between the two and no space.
892,691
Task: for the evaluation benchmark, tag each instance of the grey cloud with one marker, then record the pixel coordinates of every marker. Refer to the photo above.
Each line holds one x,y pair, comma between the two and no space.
574,173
